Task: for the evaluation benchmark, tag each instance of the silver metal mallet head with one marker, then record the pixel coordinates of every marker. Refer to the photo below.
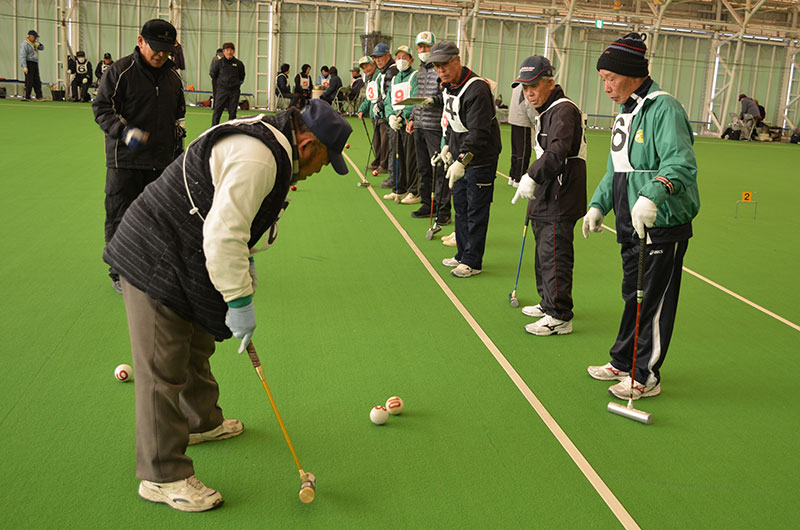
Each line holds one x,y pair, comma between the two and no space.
512,297
630,412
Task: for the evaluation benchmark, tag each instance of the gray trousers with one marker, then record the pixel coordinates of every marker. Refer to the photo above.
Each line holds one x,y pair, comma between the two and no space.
176,393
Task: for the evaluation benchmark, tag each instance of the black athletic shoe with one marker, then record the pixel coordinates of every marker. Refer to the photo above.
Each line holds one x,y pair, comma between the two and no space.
388,183
422,213
442,220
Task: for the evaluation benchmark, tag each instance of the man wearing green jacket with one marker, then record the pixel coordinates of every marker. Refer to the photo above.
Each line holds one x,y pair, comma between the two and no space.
651,183
402,151
369,107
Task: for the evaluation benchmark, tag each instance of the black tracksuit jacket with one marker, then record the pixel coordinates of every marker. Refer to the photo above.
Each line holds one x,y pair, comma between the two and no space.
131,92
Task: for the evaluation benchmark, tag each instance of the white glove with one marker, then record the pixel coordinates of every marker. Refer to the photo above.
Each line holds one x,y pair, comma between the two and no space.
643,214
25,70
455,172
375,109
242,323
592,221
85,80
525,189
447,158
427,102
395,122
69,72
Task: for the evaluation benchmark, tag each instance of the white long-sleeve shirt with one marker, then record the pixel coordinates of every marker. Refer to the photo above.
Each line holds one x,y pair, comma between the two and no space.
243,171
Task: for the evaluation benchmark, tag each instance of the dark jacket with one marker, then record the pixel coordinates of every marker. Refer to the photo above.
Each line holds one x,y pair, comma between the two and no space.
356,86
282,87
560,182
227,74
387,73
158,246
298,88
333,87
133,93
80,70
428,86
482,138
101,69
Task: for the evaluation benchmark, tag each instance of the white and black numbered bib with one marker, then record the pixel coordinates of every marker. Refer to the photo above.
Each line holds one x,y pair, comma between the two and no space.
452,104
82,68
621,132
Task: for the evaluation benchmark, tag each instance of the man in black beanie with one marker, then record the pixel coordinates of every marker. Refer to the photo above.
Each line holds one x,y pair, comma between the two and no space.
651,183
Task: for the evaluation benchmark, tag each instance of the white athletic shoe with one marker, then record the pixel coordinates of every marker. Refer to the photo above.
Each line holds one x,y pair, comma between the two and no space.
534,311
549,326
510,181
464,271
622,390
515,184
410,199
451,262
607,373
451,235
450,242
391,196
187,495
227,429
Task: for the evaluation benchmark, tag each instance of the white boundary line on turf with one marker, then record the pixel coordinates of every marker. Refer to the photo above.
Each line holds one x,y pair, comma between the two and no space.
728,291
588,471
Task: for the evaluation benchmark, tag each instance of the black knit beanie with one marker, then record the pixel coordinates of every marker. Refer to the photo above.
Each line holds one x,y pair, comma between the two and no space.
625,56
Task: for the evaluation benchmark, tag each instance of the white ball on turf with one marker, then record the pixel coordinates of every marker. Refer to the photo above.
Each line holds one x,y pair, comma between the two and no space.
378,415
124,373
395,405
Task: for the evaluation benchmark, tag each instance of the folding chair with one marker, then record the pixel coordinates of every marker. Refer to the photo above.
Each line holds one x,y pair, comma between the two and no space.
339,101
749,123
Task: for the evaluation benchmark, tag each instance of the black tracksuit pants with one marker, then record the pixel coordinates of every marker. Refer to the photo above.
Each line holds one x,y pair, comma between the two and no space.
555,258
472,202
122,188
520,151
662,283
33,81
402,144
225,99
80,90
431,180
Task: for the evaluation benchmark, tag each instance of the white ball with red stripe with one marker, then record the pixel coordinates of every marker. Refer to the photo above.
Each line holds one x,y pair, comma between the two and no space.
124,373
378,415
395,405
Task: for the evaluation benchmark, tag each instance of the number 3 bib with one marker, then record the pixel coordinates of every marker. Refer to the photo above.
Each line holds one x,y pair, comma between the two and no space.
620,155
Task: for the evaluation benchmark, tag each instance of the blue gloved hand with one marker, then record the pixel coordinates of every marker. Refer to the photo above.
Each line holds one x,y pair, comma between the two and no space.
134,137
242,321
253,274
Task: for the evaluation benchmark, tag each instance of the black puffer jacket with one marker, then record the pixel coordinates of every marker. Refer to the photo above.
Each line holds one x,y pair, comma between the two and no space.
133,93
560,180
428,86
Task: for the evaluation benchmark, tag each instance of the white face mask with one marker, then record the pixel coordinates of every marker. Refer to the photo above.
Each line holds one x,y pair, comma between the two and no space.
424,56
402,64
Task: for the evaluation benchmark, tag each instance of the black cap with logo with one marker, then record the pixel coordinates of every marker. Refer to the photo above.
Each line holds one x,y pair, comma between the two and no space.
160,35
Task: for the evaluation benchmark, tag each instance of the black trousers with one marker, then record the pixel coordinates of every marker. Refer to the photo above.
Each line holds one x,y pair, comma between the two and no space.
520,151
555,258
33,81
662,283
122,188
428,143
402,144
225,99
472,201
79,87
380,144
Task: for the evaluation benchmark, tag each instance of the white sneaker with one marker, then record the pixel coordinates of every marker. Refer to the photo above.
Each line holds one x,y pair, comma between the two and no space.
515,184
607,373
451,262
622,390
187,495
450,243
464,271
392,196
451,235
534,311
410,199
549,326
510,181
227,429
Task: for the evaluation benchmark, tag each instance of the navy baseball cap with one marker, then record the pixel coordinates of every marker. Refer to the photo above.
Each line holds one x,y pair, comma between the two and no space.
330,128
33,32
160,35
533,68
380,49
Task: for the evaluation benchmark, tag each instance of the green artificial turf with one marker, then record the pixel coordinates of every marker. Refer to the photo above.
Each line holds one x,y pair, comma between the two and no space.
348,316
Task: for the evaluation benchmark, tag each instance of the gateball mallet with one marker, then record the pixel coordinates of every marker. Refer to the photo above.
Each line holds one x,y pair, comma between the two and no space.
433,228
615,408
512,296
308,482
364,182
